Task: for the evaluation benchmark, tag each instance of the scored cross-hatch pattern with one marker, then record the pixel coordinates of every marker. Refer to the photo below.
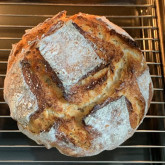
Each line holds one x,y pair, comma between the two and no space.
101,70
160,101
4,75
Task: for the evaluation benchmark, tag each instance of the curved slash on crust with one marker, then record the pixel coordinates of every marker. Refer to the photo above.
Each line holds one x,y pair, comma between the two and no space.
33,72
95,22
105,50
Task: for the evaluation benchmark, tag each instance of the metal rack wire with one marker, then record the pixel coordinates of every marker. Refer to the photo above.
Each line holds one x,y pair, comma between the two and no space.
140,20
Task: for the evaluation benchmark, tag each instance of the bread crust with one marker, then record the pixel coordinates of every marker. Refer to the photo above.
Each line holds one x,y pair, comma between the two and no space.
83,103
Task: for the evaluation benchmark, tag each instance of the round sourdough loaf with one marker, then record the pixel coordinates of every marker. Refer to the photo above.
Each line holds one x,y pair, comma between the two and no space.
78,83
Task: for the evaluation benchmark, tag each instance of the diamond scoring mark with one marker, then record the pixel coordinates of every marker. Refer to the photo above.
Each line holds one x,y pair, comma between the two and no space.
69,54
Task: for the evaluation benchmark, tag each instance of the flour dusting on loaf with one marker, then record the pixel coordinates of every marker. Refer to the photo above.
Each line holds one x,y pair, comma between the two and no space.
69,54
45,138
78,83
144,82
112,122
19,96
115,27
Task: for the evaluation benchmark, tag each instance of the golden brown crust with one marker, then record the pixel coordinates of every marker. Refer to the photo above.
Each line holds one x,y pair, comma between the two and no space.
67,112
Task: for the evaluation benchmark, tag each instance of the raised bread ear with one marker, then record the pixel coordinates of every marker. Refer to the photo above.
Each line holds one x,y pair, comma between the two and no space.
77,83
